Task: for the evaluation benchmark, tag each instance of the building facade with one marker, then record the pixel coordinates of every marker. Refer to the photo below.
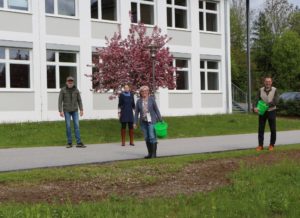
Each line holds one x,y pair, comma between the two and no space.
44,41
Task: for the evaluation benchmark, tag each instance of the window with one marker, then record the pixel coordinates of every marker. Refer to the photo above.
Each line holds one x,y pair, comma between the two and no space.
15,68
208,16
21,5
209,75
182,74
95,59
177,11
60,65
61,7
104,9
143,11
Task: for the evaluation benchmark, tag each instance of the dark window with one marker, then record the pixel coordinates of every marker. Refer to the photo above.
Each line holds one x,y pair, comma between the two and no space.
181,63
201,4
2,53
109,9
2,75
212,81
169,17
147,14
65,72
211,22
202,66
18,4
180,18
51,56
1,3
169,1
202,78
180,2
182,80
94,9
212,65
211,6
18,54
66,7
67,57
49,6
51,77
201,21
133,12
19,76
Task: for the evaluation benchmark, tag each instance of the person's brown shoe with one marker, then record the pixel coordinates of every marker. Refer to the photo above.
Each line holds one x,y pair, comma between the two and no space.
259,148
271,147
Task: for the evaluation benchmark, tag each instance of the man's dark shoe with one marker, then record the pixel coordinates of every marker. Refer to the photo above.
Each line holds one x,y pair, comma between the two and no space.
80,145
69,145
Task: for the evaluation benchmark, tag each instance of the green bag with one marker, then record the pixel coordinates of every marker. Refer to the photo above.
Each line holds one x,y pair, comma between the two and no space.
161,129
262,107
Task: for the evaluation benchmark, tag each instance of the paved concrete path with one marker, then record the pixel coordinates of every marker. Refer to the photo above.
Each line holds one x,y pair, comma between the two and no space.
29,158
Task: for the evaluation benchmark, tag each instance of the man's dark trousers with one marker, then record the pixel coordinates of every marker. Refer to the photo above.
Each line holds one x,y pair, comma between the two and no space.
271,117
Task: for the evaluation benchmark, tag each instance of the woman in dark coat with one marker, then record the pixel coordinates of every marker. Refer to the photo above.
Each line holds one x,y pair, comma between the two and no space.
126,107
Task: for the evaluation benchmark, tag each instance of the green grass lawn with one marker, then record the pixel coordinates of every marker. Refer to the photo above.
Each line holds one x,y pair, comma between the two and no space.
271,190
103,131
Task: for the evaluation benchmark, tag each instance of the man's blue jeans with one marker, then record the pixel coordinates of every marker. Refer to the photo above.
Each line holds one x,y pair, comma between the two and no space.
149,132
75,119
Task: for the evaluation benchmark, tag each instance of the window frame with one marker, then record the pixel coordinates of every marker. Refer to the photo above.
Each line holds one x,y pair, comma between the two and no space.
138,8
173,8
99,19
205,11
188,70
56,14
57,64
206,71
6,8
7,61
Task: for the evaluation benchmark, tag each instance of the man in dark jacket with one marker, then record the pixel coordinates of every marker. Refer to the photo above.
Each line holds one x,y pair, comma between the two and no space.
269,95
68,102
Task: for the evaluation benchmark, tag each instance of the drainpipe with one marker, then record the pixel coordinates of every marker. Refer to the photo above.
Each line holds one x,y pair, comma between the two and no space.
248,53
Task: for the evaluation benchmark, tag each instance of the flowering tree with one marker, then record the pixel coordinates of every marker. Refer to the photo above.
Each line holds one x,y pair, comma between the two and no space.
128,61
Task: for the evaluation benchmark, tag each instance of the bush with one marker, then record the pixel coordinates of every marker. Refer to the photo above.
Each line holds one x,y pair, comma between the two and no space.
289,108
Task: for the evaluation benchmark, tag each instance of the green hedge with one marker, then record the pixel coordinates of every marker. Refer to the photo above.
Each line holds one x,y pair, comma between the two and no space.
289,108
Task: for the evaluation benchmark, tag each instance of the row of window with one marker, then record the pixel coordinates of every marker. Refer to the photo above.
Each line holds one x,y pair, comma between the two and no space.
141,10
16,68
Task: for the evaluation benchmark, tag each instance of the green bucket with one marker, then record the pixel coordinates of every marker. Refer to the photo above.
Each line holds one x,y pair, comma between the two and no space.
161,129
262,107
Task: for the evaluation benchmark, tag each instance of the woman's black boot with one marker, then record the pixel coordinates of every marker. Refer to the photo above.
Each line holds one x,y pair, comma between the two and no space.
149,148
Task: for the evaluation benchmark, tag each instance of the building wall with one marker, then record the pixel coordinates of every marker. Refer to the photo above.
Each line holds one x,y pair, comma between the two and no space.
37,31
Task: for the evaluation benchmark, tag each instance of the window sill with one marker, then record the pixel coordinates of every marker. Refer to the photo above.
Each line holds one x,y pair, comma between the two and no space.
179,29
62,16
16,90
210,32
105,21
180,92
211,92
16,11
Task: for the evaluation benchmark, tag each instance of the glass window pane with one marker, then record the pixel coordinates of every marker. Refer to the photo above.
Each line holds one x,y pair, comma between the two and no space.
2,76
202,66
133,12
94,9
202,78
18,4
66,7
109,9
2,53
19,76
64,72
49,6
51,77
180,18
201,21
180,2
50,56
67,57
201,4
169,17
147,14
181,63
211,22
1,3
212,81
18,54
212,65
169,2
182,80
211,6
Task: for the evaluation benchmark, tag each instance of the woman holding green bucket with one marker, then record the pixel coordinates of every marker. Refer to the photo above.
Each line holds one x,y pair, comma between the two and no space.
146,109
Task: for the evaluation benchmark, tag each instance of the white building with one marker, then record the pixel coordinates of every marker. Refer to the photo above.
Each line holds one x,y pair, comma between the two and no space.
43,41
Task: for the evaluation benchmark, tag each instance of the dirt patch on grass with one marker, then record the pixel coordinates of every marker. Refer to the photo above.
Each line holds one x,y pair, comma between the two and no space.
198,176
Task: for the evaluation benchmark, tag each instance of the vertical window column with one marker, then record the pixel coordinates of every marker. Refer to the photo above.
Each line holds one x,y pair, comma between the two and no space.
209,75
143,11
182,74
208,16
104,10
177,13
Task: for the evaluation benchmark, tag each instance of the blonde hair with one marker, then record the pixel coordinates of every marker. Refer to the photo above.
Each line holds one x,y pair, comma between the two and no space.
144,88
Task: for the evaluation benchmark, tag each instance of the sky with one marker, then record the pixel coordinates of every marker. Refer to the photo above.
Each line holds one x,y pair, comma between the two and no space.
256,4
